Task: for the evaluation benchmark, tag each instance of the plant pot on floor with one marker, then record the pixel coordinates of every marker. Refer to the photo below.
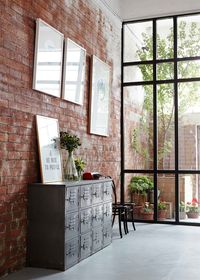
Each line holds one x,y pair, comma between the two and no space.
162,214
147,215
193,215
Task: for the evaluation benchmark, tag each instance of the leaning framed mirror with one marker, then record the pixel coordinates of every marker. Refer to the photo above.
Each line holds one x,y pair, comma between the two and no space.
48,58
73,72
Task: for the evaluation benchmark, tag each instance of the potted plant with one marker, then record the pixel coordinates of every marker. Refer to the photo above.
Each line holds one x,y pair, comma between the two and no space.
80,164
69,142
193,209
162,210
147,212
138,188
182,210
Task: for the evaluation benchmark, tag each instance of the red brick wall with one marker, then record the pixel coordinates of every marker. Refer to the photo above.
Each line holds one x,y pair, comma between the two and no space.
89,26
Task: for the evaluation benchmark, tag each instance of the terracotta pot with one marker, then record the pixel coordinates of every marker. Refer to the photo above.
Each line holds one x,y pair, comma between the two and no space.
147,215
137,211
193,215
162,214
138,199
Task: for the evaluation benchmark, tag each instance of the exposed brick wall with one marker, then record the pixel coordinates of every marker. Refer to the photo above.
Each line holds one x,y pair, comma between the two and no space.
89,26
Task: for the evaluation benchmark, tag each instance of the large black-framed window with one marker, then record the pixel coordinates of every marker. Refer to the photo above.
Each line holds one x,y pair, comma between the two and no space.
160,117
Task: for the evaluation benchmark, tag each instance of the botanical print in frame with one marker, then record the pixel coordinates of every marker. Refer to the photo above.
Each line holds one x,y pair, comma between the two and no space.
48,58
49,152
73,72
99,97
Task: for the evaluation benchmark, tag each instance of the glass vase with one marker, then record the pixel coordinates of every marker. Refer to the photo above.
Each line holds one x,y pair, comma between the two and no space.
70,172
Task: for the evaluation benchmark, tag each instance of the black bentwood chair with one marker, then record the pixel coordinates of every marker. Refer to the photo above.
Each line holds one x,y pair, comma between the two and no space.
123,211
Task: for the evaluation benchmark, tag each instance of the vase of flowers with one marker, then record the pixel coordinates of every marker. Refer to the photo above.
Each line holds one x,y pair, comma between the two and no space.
193,209
80,164
69,142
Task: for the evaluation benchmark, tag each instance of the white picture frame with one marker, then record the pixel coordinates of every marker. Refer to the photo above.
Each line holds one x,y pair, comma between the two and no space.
49,152
99,97
48,57
73,72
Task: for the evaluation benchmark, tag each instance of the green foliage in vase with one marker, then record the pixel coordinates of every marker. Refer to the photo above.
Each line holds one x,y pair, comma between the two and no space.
69,141
80,164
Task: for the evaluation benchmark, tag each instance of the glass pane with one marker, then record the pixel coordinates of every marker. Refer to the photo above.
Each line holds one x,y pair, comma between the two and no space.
189,125
189,36
138,41
166,197
165,39
165,71
189,69
138,73
138,128
189,191
165,117
139,189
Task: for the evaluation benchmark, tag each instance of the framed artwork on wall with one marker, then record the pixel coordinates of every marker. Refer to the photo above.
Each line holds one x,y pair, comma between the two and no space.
49,152
99,97
48,58
73,72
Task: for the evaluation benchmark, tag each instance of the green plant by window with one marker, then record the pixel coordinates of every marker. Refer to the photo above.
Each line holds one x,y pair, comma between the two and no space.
147,208
162,205
193,207
182,207
140,184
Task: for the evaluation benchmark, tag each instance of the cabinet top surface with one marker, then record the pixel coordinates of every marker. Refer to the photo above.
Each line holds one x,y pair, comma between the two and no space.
73,183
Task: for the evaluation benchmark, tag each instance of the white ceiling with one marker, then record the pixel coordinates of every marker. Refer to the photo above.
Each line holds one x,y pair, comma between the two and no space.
139,9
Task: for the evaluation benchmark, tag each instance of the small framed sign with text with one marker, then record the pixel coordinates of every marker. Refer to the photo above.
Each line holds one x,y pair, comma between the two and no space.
49,152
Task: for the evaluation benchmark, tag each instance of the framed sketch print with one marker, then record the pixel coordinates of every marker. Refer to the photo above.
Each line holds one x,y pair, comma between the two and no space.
73,72
48,58
99,97
49,153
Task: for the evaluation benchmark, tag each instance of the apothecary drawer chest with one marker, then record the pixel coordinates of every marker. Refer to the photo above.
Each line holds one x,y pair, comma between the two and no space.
68,221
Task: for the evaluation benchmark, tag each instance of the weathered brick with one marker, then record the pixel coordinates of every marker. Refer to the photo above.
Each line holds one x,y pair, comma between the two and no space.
92,29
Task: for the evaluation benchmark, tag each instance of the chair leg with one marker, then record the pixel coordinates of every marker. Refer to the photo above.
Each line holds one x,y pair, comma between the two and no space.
120,219
126,219
113,219
133,223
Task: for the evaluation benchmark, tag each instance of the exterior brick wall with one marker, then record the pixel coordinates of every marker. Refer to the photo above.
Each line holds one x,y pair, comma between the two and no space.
91,26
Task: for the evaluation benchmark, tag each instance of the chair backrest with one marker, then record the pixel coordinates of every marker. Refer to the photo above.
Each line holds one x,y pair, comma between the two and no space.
113,189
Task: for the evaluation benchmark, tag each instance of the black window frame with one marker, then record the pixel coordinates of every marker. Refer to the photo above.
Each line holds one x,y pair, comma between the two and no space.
155,171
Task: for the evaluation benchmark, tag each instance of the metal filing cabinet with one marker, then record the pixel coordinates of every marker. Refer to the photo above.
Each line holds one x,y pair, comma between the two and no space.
67,222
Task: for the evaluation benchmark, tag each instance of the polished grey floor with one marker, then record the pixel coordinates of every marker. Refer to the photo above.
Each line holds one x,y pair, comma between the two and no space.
152,252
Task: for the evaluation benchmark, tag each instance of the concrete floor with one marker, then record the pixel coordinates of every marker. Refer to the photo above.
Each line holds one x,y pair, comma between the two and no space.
152,252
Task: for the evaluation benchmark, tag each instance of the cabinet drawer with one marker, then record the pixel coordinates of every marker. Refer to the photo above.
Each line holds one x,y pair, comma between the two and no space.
71,199
86,245
107,191
71,252
107,212
86,220
107,234
71,225
97,239
97,193
85,196
97,215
